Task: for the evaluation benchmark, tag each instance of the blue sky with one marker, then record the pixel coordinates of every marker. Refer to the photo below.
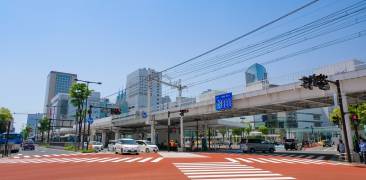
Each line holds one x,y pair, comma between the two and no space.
106,40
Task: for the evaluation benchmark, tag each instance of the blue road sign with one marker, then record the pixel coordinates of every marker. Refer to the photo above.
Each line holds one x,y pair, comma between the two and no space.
144,114
90,120
224,102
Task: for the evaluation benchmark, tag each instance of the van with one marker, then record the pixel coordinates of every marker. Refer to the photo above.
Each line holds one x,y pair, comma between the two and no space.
256,145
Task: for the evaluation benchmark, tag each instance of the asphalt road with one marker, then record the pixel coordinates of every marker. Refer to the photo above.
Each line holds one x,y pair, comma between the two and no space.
58,164
42,151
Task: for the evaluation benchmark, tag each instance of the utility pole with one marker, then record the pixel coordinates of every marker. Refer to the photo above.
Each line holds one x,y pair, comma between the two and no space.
322,83
168,130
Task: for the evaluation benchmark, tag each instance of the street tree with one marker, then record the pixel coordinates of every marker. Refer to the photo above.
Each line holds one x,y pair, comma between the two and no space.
79,92
44,126
5,118
26,131
263,129
5,121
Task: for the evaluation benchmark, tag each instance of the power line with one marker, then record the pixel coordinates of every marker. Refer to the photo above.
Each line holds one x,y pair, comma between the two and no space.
345,25
244,35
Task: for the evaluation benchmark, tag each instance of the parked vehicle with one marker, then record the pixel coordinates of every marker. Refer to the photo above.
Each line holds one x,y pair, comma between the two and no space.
291,144
254,145
111,145
28,145
98,146
126,146
146,146
327,143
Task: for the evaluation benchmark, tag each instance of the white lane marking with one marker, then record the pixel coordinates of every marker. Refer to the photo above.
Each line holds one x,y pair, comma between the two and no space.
46,155
256,160
268,160
108,160
233,175
19,154
282,160
232,160
96,159
132,160
310,157
226,172
16,157
221,170
146,159
245,160
197,168
256,178
157,159
119,160
55,155
212,165
206,163
26,156
37,156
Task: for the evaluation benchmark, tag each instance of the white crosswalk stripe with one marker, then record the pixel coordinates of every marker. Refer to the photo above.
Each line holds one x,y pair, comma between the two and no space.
226,171
157,159
279,160
81,160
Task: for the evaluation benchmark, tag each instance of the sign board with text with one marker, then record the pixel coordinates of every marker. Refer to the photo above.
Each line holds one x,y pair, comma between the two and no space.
224,102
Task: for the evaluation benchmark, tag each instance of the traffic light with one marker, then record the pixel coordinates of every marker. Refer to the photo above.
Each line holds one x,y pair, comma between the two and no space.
307,82
183,111
354,117
319,81
115,111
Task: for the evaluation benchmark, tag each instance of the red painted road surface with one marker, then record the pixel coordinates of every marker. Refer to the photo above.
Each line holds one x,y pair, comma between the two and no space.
152,167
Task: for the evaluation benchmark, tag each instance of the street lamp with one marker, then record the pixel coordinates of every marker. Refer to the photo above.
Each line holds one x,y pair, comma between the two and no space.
86,106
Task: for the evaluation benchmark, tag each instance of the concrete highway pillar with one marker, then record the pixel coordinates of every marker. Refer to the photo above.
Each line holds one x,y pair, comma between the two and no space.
104,137
92,135
117,135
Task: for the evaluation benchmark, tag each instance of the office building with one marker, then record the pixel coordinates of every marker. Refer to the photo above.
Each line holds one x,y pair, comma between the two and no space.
136,90
32,121
57,82
59,110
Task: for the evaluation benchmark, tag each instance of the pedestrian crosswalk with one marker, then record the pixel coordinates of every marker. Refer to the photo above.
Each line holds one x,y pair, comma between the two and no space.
273,160
17,156
226,171
82,160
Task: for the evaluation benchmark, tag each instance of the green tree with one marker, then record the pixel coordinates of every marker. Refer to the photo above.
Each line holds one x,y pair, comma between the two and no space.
335,116
248,129
238,132
263,129
44,125
5,118
79,92
26,131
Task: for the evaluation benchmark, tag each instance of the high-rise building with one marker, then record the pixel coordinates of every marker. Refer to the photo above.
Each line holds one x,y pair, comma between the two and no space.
32,121
57,82
59,110
256,78
136,88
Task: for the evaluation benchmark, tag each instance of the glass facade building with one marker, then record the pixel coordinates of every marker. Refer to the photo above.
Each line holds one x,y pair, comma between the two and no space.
255,73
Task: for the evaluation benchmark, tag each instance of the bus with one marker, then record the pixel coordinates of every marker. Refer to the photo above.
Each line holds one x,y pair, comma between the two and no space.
14,142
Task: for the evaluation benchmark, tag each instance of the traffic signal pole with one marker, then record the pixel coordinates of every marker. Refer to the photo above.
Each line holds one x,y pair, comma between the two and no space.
322,83
343,114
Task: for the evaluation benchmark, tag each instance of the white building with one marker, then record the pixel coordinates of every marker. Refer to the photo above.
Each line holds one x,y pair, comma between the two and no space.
136,90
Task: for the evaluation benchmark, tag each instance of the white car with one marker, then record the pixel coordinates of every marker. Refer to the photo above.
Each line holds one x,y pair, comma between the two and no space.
146,146
126,146
98,146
